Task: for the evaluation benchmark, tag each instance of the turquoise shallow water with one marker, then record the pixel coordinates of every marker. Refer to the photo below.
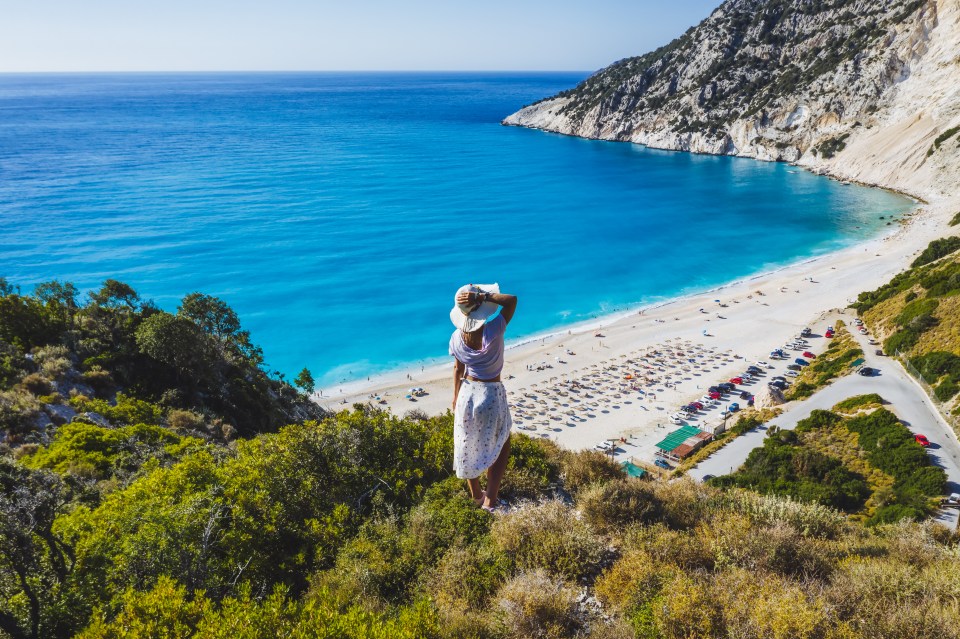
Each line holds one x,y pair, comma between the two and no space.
337,213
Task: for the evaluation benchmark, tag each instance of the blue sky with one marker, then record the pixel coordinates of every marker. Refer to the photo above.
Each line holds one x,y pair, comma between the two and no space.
196,35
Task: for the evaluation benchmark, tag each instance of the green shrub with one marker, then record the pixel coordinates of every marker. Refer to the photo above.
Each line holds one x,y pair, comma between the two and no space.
946,390
581,469
901,341
852,404
537,605
611,506
530,469
745,424
955,219
442,520
935,364
549,536
88,450
915,309
127,410
467,575
937,249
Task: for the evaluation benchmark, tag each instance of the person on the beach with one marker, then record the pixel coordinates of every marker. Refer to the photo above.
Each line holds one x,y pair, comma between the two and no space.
481,415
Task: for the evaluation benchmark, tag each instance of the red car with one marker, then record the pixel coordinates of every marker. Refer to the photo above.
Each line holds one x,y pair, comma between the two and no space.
809,355
922,440
714,395
828,334
697,404
736,380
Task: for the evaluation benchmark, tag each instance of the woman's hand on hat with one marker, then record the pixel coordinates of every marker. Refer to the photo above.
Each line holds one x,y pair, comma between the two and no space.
468,298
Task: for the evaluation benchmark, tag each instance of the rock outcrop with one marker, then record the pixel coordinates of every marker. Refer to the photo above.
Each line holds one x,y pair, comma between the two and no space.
867,90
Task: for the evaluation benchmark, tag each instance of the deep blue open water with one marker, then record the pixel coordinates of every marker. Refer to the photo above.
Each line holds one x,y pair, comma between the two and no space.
337,213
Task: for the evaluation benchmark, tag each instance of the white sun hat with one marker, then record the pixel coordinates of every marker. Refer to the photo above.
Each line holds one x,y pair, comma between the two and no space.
470,318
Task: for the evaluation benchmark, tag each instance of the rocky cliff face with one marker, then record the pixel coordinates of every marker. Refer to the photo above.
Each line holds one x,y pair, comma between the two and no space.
863,89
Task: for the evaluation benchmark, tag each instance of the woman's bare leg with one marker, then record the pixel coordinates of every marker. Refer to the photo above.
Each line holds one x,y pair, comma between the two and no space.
495,474
475,492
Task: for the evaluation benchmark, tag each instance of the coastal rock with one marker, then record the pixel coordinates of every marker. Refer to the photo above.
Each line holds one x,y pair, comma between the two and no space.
60,413
768,397
858,89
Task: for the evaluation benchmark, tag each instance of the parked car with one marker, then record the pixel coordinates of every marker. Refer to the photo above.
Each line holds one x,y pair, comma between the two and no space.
863,331
726,386
954,498
708,477
753,370
806,332
794,367
736,380
745,395
922,440
714,395
778,378
662,464
879,351
828,334
809,355
866,371
858,321
734,407
697,405
792,373
802,362
713,389
763,364
778,384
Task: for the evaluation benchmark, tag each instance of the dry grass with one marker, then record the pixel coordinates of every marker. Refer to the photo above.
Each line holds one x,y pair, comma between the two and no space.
536,605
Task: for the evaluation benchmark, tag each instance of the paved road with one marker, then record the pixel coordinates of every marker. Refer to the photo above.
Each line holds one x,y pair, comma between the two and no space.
907,400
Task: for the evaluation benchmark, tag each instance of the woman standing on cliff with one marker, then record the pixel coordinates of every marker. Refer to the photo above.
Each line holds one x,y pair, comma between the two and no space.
481,415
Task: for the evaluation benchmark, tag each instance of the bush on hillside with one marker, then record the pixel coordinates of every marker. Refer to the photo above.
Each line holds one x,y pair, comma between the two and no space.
611,506
536,605
582,469
853,404
937,249
549,536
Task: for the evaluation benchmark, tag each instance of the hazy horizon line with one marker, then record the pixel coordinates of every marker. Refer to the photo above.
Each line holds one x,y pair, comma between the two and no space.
291,71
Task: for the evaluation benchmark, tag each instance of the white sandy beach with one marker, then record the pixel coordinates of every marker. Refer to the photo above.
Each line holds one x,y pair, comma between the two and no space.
662,348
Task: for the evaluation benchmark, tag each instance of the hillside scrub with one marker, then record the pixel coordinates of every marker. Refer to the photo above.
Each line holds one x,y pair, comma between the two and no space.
353,526
936,250
120,357
804,465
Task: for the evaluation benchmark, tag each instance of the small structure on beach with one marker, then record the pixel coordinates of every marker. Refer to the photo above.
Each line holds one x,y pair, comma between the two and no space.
682,442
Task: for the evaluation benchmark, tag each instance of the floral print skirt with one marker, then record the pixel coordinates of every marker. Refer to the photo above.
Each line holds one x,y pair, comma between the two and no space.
481,426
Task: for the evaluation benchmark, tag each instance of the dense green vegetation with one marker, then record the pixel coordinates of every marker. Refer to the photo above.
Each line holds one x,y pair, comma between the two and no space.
800,465
858,403
119,360
937,249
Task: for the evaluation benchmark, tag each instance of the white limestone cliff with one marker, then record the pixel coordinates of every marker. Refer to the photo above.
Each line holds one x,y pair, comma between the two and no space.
859,89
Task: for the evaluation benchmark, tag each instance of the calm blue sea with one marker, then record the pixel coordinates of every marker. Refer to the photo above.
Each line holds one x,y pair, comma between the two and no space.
337,213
